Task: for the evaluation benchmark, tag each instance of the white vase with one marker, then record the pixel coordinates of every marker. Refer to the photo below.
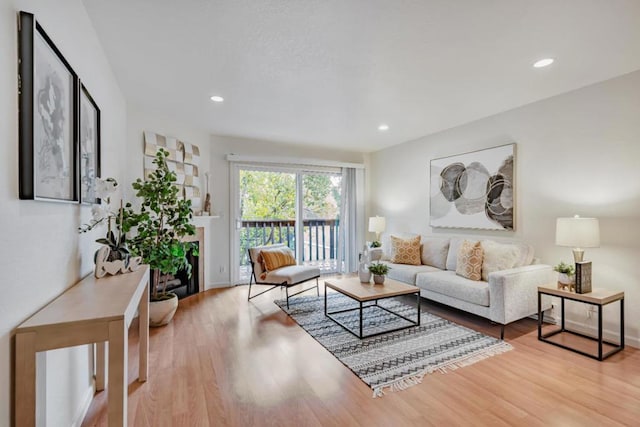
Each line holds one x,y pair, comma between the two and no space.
565,279
363,273
161,312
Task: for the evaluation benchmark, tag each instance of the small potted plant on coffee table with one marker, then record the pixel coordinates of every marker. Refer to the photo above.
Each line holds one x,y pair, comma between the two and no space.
378,270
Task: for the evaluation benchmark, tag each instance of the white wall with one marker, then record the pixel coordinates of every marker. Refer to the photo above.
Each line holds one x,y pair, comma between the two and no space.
222,199
41,252
577,153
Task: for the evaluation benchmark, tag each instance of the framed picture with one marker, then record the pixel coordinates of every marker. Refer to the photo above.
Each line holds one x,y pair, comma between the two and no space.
89,146
48,132
474,190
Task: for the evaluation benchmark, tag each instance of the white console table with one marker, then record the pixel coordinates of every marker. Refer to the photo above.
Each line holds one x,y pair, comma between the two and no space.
92,311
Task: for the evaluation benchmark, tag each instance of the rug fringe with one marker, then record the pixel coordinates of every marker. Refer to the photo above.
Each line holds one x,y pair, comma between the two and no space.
410,381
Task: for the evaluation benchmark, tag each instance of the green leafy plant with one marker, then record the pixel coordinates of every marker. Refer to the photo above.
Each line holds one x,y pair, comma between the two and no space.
563,268
379,269
159,225
375,244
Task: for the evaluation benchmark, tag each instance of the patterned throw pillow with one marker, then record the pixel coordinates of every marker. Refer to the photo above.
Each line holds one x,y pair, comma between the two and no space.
273,259
405,251
469,263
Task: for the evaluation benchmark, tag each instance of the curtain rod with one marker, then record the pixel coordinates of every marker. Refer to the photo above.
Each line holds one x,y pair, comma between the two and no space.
292,161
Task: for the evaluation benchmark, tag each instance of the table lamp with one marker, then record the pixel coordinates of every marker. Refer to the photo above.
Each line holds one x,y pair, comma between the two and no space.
377,225
578,233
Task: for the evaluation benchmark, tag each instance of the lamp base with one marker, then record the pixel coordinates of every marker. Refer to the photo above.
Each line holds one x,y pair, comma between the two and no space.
578,254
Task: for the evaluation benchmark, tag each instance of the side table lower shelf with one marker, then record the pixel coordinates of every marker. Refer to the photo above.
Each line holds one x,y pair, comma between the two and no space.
599,298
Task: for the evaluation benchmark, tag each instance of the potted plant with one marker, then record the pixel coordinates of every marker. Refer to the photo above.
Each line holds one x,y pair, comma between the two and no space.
102,213
158,227
566,273
378,270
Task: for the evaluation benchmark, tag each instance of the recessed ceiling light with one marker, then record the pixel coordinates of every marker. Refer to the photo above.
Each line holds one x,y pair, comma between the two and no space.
543,63
216,98
383,127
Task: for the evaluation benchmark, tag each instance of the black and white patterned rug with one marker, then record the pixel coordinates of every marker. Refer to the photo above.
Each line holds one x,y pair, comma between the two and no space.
396,360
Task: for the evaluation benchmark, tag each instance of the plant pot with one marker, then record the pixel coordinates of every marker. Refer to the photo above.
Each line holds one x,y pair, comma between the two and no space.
566,282
161,312
378,279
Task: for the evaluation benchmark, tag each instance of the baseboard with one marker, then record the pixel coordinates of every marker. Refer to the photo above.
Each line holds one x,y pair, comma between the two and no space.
217,285
82,411
608,334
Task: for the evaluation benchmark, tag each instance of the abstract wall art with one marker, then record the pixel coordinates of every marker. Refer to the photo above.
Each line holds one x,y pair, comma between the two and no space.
474,190
183,159
89,147
48,102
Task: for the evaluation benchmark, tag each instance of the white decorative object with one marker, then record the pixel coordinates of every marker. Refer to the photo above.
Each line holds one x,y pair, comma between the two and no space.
104,267
363,273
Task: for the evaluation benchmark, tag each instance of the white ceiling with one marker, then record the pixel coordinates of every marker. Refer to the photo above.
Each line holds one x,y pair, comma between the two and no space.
328,72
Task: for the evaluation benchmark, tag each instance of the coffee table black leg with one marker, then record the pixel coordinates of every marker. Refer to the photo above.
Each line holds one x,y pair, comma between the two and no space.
418,302
360,320
325,298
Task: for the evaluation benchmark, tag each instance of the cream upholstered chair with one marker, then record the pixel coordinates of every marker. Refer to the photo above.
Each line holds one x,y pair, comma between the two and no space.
287,275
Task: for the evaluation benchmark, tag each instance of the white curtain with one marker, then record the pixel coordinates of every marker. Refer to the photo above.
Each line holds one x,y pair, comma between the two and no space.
351,233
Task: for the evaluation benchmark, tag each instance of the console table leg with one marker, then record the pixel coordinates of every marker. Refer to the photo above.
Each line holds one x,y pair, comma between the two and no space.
117,396
100,361
143,329
25,379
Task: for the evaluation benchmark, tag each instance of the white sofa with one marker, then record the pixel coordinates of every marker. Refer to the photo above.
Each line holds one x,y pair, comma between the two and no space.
502,296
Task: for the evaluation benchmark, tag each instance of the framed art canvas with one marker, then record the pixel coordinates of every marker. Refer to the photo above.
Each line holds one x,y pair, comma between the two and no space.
48,102
89,146
474,190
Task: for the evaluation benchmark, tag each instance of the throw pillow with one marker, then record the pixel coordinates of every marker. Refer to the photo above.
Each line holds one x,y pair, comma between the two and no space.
434,252
276,258
497,257
405,251
469,262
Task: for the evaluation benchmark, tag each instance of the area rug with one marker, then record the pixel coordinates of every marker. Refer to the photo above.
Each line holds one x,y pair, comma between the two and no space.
396,360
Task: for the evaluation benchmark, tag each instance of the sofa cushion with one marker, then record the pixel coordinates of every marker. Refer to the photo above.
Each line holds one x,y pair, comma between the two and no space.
405,251
498,256
454,286
469,262
434,252
256,257
291,274
407,273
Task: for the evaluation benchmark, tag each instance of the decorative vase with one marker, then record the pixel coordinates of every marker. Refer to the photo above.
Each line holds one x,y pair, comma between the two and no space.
378,279
364,273
161,312
566,281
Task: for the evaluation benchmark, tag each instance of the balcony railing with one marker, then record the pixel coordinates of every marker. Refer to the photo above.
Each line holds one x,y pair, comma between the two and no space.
320,239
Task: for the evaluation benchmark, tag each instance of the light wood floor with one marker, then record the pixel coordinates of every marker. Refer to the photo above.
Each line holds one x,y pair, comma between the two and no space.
224,361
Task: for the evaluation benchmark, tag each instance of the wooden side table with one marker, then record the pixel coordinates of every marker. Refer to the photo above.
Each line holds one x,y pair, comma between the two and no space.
599,298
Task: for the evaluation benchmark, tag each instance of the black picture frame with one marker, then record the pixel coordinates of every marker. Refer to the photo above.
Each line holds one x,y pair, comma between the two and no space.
48,92
89,146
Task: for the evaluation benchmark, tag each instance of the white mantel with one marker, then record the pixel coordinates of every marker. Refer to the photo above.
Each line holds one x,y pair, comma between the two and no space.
204,222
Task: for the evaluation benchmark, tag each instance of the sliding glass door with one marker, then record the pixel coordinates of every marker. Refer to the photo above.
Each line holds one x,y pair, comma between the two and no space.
299,208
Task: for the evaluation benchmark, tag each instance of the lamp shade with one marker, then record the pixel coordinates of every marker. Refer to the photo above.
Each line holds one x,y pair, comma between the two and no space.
377,224
578,232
